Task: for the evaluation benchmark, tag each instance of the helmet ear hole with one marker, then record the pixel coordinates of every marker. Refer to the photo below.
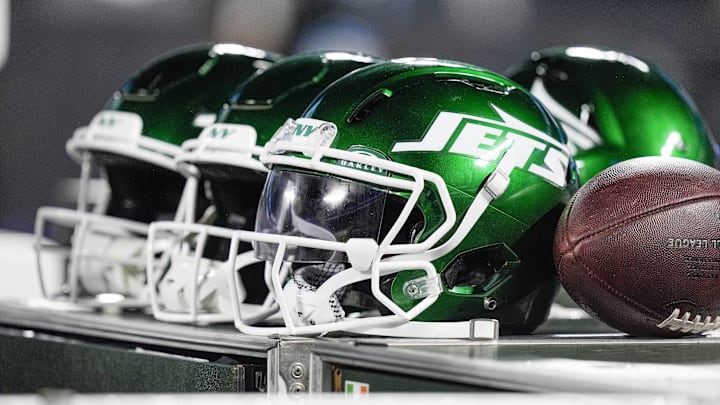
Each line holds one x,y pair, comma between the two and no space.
474,268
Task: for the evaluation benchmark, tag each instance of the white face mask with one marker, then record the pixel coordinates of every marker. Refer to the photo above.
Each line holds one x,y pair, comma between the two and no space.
307,309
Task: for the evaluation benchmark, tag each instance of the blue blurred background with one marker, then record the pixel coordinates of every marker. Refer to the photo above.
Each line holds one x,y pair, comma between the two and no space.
65,58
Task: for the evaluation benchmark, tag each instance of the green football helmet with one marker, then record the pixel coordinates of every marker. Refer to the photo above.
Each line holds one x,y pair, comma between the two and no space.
190,279
412,198
131,145
614,106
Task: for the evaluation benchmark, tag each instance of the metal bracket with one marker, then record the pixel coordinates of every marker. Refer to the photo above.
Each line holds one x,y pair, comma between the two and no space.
290,366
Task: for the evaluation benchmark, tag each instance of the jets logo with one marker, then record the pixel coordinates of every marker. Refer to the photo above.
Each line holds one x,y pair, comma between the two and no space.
580,135
532,150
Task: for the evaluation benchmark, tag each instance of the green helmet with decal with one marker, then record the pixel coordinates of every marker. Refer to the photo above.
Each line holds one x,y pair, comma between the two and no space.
224,158
430,191
132,144
614,106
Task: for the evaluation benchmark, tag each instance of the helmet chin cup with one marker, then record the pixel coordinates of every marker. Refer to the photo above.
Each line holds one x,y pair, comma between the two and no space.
189,288
308,307
194,286
105,255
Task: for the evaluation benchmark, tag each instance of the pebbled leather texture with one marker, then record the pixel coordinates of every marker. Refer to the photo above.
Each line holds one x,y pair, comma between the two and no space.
640,242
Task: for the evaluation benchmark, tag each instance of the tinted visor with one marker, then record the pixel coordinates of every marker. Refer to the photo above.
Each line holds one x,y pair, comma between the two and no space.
325,208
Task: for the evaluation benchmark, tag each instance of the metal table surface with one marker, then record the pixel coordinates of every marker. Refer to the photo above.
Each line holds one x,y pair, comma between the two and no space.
567,354
132,328
586,357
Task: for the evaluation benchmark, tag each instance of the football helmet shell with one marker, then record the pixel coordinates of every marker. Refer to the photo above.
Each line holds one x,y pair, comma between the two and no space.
190,279
614,106
132,144
415,190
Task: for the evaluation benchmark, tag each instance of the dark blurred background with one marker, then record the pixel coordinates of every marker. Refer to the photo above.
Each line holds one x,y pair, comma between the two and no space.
67,57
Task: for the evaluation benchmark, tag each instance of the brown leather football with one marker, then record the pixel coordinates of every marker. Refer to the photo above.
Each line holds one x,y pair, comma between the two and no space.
638,247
